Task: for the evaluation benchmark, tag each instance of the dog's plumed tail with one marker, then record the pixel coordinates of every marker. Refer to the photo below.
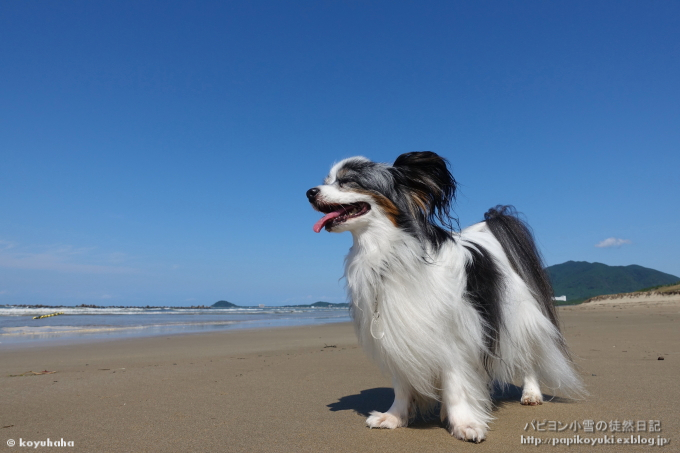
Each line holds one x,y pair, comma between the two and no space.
557,368
519,246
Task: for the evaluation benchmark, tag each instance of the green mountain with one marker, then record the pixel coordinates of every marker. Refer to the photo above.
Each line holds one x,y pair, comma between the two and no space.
223,304
580,280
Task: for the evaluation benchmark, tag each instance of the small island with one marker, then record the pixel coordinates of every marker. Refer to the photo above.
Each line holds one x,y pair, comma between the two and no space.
224,304
320,304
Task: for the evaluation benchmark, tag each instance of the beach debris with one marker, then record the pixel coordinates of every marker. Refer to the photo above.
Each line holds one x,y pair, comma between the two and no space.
33,373
50,315
660,357
329,346
8,426
104,369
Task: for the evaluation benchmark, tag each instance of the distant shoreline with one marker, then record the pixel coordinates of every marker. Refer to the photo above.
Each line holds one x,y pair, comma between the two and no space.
192,307
25,324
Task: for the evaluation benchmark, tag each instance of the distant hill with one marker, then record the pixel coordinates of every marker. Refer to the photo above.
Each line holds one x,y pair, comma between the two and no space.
321,304
580,280
327,305
223,304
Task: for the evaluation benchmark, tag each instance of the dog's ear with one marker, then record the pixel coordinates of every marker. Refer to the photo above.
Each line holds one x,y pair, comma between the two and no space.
431,186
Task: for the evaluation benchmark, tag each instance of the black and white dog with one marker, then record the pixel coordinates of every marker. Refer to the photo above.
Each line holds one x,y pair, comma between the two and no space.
444,313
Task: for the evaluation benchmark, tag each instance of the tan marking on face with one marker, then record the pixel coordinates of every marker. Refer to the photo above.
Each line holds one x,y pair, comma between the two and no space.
389,208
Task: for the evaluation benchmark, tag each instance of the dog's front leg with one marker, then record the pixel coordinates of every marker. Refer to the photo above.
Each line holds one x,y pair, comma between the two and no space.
465,404
397,415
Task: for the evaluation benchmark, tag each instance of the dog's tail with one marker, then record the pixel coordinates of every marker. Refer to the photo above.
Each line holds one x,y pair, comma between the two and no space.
518,244
553,362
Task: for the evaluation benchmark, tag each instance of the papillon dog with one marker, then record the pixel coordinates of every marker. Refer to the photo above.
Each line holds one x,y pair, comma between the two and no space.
445,313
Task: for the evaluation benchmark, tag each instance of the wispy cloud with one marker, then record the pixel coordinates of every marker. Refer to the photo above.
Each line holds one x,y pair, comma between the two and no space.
61,258
613,242
6,245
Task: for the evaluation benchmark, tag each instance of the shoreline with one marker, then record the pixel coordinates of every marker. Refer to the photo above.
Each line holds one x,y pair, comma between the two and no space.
77,335
19,328
310,388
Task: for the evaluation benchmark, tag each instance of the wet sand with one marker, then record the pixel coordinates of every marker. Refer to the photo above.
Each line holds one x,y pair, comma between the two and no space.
310,388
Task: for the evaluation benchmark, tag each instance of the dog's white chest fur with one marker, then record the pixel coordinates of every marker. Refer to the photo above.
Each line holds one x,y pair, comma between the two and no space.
417,298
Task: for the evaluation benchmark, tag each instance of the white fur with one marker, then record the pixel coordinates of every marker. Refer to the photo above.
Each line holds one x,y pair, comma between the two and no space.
434,339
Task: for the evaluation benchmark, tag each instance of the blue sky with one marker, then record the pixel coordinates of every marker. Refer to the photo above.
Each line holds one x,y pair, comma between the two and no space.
159,152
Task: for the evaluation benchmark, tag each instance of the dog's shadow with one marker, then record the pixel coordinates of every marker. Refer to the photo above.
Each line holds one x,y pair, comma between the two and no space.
377,399
380,399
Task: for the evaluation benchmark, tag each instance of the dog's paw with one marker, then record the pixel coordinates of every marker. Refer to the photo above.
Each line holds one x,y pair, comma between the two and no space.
531,398
469,432
384,420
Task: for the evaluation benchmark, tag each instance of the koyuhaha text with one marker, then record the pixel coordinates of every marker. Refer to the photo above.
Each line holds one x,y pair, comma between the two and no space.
40,443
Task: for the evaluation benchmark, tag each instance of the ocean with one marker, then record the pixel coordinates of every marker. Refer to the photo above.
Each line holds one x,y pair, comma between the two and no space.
18,328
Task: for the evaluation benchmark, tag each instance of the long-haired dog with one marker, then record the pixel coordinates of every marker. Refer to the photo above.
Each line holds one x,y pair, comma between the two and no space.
444,313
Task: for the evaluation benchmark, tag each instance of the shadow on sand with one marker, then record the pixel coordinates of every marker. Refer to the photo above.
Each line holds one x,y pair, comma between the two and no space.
380,399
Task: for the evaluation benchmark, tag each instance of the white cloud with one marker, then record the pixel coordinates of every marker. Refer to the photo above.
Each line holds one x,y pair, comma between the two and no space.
613,242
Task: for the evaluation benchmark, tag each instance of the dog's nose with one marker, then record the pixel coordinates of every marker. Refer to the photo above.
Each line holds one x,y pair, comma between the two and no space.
311,193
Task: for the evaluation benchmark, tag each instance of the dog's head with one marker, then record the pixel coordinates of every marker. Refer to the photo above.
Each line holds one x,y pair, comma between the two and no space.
414,194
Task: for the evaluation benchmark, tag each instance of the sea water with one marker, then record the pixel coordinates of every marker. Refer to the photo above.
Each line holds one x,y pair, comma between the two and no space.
17,326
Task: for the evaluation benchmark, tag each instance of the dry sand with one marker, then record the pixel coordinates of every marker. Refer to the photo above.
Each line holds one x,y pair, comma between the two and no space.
648,298
309,389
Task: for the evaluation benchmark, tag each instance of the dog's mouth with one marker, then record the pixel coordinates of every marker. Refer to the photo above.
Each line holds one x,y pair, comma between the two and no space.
339,213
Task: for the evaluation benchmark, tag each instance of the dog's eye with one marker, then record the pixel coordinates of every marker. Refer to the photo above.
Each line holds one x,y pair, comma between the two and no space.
346,183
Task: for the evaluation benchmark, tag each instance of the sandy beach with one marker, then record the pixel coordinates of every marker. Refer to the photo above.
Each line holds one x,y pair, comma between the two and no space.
309,389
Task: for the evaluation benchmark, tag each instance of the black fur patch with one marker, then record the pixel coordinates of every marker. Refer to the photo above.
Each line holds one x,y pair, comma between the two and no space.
427,192
483,289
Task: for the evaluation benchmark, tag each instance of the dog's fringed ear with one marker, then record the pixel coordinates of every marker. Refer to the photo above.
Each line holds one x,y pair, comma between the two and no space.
432,187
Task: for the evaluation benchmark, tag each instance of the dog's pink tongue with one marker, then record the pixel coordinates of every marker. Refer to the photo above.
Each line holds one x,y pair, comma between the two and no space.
325,219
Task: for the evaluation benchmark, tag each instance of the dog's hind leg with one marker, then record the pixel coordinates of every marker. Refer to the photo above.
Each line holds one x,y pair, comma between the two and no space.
397,415
466,404
531,392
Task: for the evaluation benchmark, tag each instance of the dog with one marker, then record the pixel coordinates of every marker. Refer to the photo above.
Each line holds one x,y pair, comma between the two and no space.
445,313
